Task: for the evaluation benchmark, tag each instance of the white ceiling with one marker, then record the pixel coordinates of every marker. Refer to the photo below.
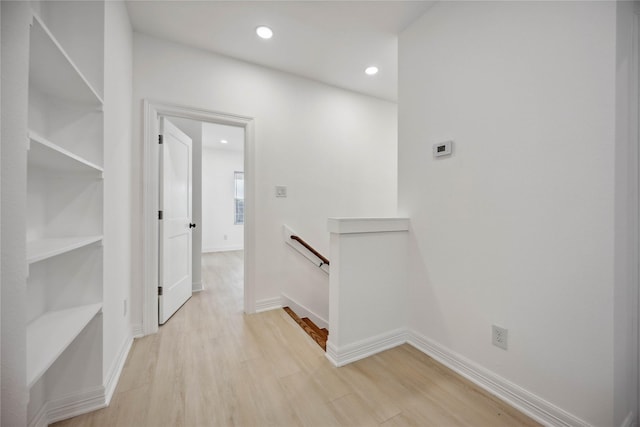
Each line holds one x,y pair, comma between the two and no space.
329,41
212,134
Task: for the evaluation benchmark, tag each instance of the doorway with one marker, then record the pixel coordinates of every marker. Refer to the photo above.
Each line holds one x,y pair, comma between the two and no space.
152,111
218,192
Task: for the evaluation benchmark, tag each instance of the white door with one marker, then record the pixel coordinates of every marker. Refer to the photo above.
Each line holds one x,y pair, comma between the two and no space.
175,223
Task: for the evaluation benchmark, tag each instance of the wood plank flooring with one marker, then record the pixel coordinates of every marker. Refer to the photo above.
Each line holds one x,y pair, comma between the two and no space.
212,365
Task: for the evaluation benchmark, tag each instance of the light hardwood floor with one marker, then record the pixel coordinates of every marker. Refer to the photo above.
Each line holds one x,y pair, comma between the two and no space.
211,365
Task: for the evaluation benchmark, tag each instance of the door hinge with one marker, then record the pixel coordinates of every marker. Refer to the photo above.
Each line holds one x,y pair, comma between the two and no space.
159,290
160,139
159,214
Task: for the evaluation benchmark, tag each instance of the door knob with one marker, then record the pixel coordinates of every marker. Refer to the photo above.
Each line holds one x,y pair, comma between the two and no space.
192,225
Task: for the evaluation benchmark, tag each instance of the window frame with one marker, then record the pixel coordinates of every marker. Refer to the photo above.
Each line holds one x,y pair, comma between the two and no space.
238,202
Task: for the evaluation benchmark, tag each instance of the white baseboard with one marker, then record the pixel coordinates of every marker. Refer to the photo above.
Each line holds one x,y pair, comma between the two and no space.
76,404
40,419
365,348
521,399
197,287
629,421
137,331
530,404
85,401
223,249
116,369
268,304
303,311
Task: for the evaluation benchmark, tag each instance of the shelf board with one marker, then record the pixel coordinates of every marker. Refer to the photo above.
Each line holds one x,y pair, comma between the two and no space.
39,250
50,334
47,155
53,71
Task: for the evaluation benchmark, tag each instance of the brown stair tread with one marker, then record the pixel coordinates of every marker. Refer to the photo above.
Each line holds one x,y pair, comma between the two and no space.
312,325
317,334
314,330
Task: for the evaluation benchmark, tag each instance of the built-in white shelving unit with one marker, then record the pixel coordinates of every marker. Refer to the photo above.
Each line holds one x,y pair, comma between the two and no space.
65,181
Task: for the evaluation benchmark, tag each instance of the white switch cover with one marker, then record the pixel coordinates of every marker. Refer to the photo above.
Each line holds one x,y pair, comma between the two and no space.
281,191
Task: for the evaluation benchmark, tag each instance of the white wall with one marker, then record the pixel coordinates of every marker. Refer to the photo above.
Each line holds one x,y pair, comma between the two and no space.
335,150
118,194
218,204
14,75
625,337
517,227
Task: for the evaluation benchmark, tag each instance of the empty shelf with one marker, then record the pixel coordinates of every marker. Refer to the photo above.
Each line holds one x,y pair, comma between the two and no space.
44,154
38,250
53,72
50,334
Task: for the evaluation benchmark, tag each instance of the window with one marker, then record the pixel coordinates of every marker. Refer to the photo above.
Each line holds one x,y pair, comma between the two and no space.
238,178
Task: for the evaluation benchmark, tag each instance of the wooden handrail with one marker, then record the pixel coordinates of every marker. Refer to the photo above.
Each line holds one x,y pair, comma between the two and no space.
310,249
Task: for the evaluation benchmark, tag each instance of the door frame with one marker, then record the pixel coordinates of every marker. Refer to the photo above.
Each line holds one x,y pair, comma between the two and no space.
635,134
151,111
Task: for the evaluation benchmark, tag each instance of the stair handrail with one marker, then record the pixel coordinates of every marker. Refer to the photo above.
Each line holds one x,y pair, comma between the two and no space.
311,249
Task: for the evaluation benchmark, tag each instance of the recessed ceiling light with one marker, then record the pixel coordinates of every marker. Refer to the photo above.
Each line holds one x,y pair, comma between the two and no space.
224,141
264,32
371,71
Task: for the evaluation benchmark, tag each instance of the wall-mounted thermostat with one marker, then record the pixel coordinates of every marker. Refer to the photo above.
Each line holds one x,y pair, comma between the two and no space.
442,149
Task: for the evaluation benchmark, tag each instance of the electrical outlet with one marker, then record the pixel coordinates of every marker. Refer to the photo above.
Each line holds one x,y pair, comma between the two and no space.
499,336
224,237
281,191
124,311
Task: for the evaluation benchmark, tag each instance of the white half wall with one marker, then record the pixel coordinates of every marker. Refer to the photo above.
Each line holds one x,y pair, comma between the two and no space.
219,233
368,287
335,150
516,228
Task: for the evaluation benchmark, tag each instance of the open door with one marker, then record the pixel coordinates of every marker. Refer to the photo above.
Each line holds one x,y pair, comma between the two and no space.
174,287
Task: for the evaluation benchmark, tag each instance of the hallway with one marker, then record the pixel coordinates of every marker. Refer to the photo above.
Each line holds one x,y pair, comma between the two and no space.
211,365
